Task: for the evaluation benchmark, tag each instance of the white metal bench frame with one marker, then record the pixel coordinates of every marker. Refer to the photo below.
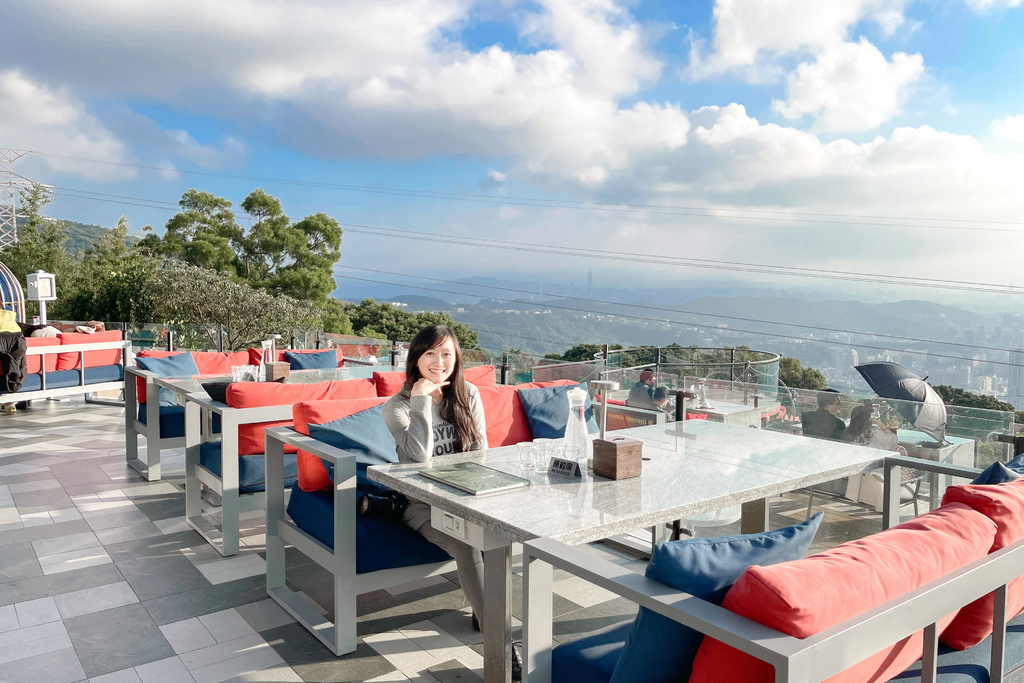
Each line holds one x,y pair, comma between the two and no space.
340,636
808,660
78,389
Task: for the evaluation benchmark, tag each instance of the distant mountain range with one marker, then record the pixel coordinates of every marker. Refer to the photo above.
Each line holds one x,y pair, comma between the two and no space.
82,235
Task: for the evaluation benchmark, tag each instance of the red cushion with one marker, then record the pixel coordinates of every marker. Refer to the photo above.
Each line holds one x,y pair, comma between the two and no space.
804,597
256,354
35,364
388,383
219,363
504,414
93,359
140,384
1004,505
480,375
312,473
256,394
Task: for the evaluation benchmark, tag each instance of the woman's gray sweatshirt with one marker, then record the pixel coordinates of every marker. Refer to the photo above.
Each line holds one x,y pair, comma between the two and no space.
421,433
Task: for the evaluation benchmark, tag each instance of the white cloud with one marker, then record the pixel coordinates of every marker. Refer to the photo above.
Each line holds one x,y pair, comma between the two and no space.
850,87
1009,128
38,117
993,4
497,176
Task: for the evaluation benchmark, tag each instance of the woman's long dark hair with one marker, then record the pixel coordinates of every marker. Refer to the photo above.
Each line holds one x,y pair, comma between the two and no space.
859,429
454,407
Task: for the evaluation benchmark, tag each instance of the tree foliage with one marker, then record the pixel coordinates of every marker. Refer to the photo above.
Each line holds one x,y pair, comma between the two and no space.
188,294
384,321
961,397
796,376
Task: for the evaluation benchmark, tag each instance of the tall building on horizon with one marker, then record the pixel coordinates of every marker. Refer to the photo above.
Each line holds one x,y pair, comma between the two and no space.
1015,387
590,284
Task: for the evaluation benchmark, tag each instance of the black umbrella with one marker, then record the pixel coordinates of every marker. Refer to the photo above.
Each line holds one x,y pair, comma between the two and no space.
890,380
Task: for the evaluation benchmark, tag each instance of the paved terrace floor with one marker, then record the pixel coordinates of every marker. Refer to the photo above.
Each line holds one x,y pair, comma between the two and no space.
102,581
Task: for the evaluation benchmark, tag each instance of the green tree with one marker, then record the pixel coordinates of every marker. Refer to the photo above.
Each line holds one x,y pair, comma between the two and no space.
384,321
313,247
796,376
204,233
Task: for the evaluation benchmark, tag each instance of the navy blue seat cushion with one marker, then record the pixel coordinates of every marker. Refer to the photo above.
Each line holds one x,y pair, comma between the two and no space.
971,665
180,365
547,410
104,373
997,473
592,658
323,360
172,421
252,469
381,543
660,650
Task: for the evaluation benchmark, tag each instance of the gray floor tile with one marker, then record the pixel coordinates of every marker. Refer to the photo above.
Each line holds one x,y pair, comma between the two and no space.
35,612
316,664
49,499
128,517
22,590
62,666
264,615
454,671
169,545
100,639
95,599
169,670
38,533
18,561
64,544
121,534
205,600
122,676
154,577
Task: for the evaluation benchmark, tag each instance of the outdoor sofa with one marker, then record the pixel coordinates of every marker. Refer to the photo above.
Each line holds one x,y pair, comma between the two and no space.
71,364
337,441
155,414
919,601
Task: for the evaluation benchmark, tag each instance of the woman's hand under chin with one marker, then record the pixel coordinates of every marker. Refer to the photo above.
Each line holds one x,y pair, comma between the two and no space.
425,387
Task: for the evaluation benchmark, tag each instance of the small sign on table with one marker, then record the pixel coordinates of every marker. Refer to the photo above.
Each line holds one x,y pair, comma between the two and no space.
565,468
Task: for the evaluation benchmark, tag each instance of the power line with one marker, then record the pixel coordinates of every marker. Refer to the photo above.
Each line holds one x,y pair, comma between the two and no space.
649,307
714,213
709,264
686,324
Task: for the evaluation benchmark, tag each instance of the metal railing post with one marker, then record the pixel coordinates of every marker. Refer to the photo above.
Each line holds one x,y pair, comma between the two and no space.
504,367
220,338
170,339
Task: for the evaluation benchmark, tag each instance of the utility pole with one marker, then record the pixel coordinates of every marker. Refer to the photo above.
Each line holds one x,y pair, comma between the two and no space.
9,182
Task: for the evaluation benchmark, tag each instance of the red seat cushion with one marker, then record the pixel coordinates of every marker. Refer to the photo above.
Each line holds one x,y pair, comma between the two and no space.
34,364
256,394
312,473
93,359
806,596
480,375
504,414
256,354
1004,505
388,383
219,363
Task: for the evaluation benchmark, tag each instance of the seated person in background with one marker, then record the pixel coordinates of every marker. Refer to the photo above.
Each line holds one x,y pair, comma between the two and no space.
642,393
869,431
660,398
823,422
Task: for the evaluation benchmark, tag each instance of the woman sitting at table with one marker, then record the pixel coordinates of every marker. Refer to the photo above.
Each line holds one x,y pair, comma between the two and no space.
436,413
866,430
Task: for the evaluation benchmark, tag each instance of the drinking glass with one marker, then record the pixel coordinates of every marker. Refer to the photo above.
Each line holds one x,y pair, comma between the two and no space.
239,373
545,449
527,455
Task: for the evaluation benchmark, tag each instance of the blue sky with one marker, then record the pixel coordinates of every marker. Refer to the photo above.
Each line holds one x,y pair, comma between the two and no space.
792,131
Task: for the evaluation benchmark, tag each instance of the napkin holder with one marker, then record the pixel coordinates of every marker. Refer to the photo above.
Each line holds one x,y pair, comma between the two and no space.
617,458
278,372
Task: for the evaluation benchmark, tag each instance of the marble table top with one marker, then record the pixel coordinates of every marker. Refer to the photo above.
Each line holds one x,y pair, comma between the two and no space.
725,465
724,408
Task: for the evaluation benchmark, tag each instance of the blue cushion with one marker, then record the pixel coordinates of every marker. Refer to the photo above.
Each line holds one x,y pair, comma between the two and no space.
661,650
547,410
172,421
58,379
996,473
104,373
180,365
363,433
1017,464
322,360
592,658
971,665
252,469
381,543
